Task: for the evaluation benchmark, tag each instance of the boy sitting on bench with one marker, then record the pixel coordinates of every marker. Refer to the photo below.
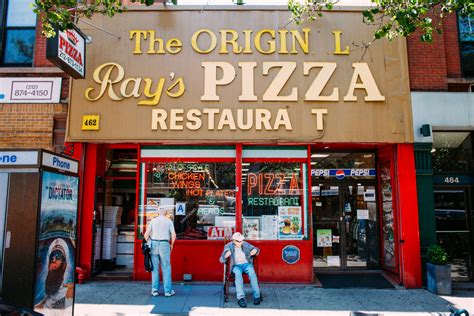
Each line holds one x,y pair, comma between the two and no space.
241,255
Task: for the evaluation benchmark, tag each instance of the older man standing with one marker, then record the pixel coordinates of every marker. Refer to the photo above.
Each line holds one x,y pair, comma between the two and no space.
162,235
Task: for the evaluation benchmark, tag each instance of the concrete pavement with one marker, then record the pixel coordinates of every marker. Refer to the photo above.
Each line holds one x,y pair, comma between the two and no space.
133,298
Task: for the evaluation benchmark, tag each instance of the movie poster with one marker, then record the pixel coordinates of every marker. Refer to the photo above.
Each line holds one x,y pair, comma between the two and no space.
54,291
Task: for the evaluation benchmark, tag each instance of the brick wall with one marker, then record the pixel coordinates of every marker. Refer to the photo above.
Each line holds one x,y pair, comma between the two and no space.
31,125
430,64
28,125
40,49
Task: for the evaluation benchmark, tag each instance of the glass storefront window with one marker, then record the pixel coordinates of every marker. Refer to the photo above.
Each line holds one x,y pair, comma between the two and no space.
199,196
340,165
274,200
452,152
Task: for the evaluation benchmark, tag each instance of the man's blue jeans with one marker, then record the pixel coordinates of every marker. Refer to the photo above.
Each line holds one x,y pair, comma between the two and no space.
160,253
238,270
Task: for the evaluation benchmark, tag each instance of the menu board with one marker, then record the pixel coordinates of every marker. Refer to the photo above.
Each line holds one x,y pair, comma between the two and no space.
289,222
251,227
269,227
388,229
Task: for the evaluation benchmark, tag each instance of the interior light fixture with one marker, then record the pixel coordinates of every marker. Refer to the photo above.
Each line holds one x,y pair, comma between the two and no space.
319,155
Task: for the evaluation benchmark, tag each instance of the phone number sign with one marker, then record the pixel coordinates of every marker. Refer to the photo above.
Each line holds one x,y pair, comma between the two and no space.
30,90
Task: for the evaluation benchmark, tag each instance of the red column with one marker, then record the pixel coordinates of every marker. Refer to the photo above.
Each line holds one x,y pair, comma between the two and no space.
87,211
410,259
238,186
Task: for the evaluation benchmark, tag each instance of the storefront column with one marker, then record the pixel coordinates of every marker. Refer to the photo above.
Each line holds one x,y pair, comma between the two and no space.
408,217
238,187
426,210
87,211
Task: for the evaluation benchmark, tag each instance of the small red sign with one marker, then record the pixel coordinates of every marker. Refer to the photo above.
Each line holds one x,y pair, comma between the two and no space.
219,233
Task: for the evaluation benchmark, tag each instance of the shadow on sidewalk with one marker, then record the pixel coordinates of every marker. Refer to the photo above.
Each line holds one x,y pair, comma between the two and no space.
122,298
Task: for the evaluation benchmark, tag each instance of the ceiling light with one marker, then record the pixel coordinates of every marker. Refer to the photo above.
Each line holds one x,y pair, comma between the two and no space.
319,155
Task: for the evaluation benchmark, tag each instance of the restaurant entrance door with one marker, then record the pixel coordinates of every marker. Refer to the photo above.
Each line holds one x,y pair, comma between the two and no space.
345,225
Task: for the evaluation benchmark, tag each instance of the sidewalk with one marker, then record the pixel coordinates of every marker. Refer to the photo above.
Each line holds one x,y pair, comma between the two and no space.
133,298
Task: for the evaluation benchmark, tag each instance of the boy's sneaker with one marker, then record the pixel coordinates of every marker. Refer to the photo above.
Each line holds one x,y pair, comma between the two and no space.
170,293
242,303
257,300
155,293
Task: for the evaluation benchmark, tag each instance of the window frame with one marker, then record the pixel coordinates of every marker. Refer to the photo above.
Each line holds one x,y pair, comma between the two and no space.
143,188
460,42
3,34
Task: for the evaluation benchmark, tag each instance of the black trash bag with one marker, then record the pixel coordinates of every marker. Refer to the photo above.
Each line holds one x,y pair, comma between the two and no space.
146,250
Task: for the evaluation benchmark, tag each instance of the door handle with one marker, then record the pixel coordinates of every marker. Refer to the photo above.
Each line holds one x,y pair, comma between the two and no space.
402,241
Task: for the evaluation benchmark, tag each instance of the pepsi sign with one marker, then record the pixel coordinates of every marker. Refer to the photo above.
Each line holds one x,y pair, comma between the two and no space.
291,254
342,173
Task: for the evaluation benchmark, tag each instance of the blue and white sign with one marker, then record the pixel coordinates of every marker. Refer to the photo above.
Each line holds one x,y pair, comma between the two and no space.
342,173
18,158
30,90
180,209
60,163
291,254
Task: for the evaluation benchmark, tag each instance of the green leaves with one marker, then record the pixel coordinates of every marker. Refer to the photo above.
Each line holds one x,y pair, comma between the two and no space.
437,255
62,14
392,18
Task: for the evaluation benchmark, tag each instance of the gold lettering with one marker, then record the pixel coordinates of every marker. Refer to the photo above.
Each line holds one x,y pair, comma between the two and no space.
181,88
283,48
297,38
135,88
212,44
337,44
174,45
156,95
153,41
106,81
138,39
247,37
236,48
271,43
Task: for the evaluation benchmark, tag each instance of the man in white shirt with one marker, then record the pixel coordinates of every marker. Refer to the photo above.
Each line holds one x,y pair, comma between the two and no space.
161,233
241,255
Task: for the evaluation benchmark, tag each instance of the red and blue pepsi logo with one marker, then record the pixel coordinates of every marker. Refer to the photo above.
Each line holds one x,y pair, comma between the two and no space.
340,174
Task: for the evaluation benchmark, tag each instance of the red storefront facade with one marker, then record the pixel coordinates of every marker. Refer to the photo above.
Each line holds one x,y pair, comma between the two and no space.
332,177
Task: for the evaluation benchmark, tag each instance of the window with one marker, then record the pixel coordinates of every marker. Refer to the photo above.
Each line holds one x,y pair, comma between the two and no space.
452,152
466,44
274,192
17,33
200,197
273,197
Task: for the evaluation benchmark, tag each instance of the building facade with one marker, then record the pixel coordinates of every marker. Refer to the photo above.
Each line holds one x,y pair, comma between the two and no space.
29,121
284,134
441,77
235,122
